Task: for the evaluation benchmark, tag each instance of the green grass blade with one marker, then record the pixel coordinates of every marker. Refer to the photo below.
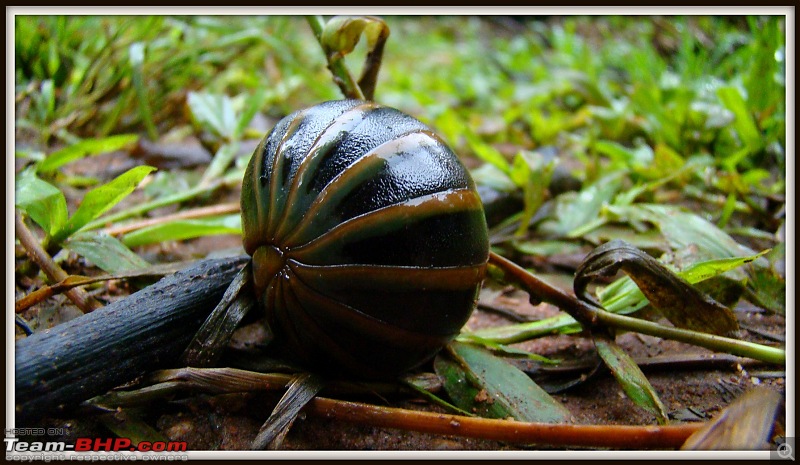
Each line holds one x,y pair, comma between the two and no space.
85,148
502,389
630,377
184,229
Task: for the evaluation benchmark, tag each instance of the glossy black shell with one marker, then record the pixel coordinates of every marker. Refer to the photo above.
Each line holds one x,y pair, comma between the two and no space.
368,238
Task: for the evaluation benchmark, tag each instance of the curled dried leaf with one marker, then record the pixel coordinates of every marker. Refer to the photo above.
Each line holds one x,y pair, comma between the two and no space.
746,424
675,298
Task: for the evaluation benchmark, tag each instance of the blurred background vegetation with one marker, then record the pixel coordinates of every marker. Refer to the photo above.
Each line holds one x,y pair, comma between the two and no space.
665,131
669,132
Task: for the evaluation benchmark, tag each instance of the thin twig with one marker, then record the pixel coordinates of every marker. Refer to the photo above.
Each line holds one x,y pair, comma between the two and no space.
614,436
540,290
202,212
50,268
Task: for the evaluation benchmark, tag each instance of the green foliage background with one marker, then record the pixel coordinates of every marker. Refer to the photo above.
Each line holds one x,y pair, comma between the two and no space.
666,131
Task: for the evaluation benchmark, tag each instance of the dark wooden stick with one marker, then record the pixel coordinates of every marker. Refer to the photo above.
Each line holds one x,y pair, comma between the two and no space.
58,368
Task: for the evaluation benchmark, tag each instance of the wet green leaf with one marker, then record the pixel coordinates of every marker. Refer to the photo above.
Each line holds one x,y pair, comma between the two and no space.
575,210
491,176
488,153
42,201
487,385
503,349
462,392
683,229
630,377
101,199
214,113
509,334
546,248
107,252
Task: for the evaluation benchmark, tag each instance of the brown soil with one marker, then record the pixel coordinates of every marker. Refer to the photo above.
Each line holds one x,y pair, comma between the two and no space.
231,421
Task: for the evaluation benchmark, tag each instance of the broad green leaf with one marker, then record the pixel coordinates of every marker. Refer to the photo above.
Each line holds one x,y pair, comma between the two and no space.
101,199
503,349
701,271
575,210
649,239
107,252
487,153
491,176
630,377
213,112
623,296
85,148
683,229
464,394
184,229
502,389
42,201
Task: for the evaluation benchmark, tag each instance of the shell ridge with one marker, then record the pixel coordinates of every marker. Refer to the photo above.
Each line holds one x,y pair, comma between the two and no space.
276,203
351,177
296,200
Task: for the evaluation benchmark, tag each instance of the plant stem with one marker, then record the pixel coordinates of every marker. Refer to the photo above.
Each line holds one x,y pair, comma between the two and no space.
709,341
341,75
51,269
614,436
541,291
590,317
